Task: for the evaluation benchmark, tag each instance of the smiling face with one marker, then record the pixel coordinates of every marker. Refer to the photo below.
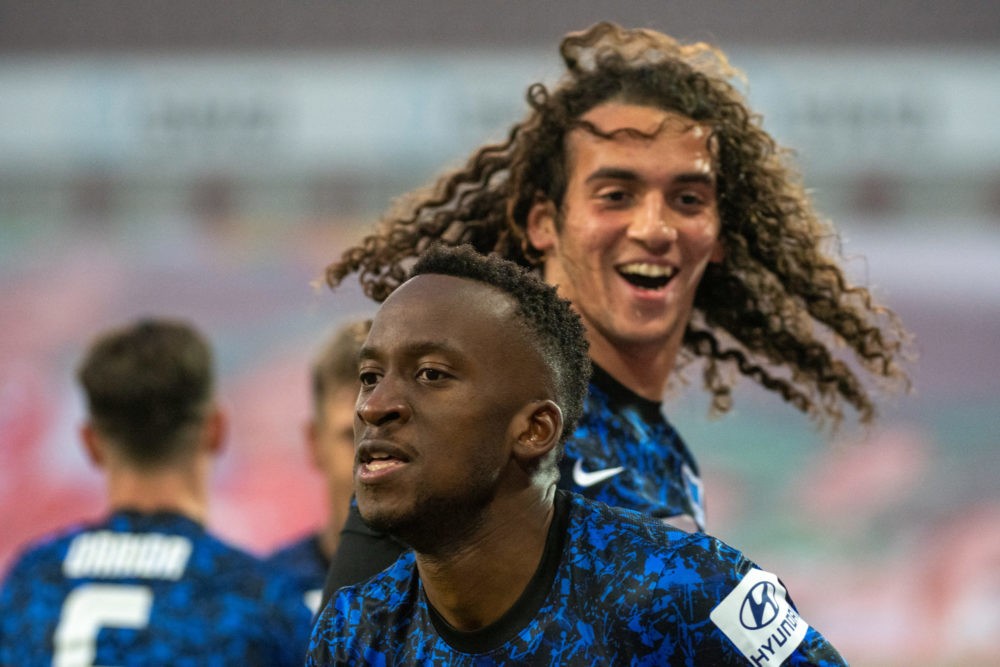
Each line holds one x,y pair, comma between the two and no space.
638,225
444,374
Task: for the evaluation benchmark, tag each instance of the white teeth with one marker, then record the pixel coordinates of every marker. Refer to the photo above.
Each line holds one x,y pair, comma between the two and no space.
648,270
379,464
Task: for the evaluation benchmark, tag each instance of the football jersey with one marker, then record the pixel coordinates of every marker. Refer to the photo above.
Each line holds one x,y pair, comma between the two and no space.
304,562
614,587
147,589
625,453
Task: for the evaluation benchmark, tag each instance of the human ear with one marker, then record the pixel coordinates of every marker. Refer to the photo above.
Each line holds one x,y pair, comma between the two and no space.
543,423
311,433
92,444
215,428
541,229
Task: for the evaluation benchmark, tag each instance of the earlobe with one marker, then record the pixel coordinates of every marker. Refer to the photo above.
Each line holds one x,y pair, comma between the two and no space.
311,433
92,444
215,431
541,229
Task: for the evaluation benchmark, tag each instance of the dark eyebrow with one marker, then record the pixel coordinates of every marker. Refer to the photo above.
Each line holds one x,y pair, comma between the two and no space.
614,173
697,177
621,174
413,349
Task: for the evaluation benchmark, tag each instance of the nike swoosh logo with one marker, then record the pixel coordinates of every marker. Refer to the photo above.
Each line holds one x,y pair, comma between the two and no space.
584,479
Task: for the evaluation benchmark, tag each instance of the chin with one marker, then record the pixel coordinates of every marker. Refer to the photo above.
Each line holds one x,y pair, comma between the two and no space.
650,330
402,523
378,514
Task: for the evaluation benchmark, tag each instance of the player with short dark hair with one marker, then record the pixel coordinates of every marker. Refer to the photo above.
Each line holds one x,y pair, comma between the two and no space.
147,584
472,375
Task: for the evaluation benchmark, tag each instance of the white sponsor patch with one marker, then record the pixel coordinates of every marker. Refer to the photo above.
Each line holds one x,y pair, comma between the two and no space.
758,619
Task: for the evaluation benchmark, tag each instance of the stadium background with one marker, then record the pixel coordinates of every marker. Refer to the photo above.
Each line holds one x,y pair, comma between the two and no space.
206,159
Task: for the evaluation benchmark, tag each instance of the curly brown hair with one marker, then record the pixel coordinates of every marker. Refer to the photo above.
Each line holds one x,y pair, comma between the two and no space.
778,309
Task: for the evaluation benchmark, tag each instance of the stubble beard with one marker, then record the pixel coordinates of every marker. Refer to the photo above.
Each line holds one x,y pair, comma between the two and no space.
434,524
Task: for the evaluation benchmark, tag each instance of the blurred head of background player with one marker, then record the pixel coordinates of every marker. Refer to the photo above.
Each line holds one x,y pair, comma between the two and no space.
329,435
153,425
330,431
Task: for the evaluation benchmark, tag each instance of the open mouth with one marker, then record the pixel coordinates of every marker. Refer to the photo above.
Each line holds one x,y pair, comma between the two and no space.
647,276
379,462
375,457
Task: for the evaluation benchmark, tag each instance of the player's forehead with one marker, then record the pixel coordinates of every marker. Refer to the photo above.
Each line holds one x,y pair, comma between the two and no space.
638,120
640,142
434,312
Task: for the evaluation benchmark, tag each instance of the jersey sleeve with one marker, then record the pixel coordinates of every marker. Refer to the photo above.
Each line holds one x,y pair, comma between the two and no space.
737,613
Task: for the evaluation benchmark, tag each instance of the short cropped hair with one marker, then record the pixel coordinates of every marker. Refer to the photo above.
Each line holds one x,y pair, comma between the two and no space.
149,386
336,365
552,325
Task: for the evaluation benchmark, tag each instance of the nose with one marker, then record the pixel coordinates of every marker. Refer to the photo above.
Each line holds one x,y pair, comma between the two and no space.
382,404
652,225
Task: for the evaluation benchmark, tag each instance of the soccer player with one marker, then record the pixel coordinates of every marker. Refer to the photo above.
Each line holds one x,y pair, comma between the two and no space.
147,584
646,190
330,438
473,375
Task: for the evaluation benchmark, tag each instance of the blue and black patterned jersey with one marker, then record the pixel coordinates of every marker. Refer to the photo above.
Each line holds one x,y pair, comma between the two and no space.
147,589
623,452
614,587
304,562
626,454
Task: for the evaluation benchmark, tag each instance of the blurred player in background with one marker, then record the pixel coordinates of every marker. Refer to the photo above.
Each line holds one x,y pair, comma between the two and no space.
147,584
645,188
330,438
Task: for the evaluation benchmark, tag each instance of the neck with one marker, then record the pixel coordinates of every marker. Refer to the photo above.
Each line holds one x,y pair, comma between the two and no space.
643,369
474,585
329,536
176,489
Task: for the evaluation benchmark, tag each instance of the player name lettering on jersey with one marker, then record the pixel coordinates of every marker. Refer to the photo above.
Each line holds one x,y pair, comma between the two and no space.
120,555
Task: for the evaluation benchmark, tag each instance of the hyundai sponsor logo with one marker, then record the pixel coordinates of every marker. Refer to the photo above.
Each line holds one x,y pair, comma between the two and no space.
759,607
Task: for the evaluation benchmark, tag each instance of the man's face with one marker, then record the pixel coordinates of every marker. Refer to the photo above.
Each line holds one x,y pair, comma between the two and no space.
639,225
331,440
443,372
